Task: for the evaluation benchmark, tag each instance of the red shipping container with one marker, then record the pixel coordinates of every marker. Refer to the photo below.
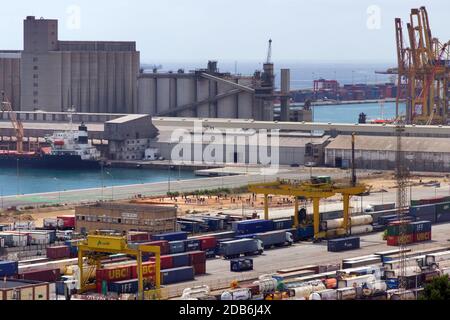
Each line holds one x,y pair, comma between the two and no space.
49,275
422,236
199,268
148,271
117,273
197,257
162,244
58,252
394,240
138,236
68,221
207,243
166,262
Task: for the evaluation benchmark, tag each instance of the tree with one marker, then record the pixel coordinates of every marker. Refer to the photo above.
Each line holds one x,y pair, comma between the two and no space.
438,289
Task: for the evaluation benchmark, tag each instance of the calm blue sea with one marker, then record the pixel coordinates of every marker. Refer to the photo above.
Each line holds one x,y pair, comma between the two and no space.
38,181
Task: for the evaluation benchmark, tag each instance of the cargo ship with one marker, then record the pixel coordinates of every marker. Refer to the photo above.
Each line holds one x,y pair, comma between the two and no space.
69,149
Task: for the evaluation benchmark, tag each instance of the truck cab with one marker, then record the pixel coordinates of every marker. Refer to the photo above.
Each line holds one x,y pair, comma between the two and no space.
289,238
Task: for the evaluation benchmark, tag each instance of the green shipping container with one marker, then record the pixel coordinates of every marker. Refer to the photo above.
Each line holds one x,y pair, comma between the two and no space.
394,230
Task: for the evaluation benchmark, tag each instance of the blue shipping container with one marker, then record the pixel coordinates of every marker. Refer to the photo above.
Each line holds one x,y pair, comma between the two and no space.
171,236
192,245
176,275
424,212
245,236
126,286
305,232
282,224
253,226
180,260
343,244
188,226
60,286
421,226
443,212
9,268
176,247
392,284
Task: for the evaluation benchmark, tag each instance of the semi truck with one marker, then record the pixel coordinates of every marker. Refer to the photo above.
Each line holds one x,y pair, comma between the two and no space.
233,249
275,238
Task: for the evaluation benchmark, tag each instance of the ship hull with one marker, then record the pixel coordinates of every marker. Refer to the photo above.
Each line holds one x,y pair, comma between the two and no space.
45,161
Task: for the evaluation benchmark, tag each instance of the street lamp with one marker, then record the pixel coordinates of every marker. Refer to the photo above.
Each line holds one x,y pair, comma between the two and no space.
112,184
17,177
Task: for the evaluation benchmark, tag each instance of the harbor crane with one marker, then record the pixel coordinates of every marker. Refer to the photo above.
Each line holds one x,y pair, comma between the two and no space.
16,123
423,69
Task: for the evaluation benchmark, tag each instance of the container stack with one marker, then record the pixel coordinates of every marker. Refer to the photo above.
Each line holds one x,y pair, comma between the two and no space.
412,232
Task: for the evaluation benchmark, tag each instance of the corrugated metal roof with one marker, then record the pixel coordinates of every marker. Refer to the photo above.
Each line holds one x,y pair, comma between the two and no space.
165,136
127,118
409,144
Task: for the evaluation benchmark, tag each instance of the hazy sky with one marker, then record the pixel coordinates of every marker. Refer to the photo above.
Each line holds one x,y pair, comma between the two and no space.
177,30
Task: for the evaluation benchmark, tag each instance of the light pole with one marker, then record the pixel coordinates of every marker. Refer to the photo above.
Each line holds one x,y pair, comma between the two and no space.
17,177
112,184
168,178
101,179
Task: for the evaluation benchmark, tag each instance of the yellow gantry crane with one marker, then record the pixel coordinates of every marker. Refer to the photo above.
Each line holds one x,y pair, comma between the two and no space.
316,189
97,246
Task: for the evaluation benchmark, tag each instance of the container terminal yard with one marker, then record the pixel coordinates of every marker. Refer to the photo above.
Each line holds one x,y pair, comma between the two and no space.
343,211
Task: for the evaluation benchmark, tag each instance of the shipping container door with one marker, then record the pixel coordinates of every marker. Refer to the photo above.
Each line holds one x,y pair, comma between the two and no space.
26,294
40,293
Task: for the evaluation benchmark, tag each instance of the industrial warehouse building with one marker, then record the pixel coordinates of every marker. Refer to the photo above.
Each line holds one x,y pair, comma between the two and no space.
123,217
378,152
240,146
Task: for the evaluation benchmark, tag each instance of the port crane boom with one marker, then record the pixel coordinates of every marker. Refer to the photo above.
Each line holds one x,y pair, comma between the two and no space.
16,123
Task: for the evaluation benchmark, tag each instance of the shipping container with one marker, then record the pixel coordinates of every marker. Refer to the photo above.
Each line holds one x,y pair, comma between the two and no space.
422,236
199,268
396,227
411,281
397,240
305,232
176,247
424,212
218,235
252,226
357,281
443,212
421,226
207,242
170,236
114,273
138,236
166,261
148,271
58,252
47,275
176,275
125,286
189,226
361,263
282,224
233,249
196,257
162,244
239,265
180,260
343,244
275,238
68,222
192,245
8,268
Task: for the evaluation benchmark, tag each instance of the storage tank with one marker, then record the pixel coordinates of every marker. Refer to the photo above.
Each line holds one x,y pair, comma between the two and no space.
328,294
266,285
361,229
308,288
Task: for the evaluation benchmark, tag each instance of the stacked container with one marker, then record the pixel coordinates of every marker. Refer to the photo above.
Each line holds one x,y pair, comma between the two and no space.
66,222
170,236
424,212
9,268
197,259
47,275
138,236
176,246
176,275
192,244
394,236
421,231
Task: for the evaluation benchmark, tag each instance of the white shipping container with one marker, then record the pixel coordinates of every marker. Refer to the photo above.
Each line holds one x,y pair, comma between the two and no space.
356,281
395,264
409,271
238,294
361,229
39,237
